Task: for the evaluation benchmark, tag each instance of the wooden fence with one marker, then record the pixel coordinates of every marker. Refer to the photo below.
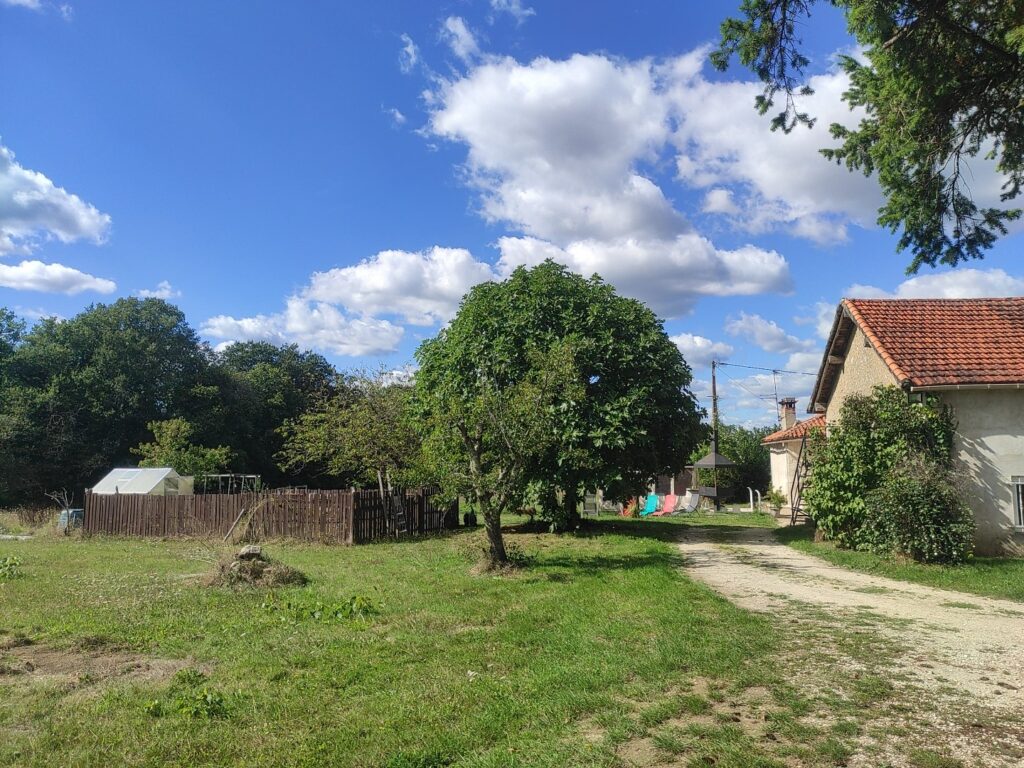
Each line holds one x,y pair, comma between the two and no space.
341,517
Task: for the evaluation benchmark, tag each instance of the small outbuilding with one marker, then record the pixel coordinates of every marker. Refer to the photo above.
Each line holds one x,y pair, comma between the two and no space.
788,448
147,481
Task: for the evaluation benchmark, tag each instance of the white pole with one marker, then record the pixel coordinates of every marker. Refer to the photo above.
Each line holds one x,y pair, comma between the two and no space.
758,499
751,492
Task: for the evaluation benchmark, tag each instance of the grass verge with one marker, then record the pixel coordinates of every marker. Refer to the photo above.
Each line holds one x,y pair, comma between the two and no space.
988,576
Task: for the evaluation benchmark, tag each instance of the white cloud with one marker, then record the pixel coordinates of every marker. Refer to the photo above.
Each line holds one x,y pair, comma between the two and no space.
954,284
780,180
824,314
397,118
669,275
514,8
36,313
409,54
555,148
699,351
423,288
32,5
460,39
804,362
719,200
32,275
34,209
310,324
766,334
164,290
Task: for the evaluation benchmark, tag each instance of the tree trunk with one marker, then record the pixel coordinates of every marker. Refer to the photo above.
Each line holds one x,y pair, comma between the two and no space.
496,556
571,511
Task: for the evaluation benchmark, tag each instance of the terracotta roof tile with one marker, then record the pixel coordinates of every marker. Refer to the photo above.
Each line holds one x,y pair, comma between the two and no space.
797,431
936,342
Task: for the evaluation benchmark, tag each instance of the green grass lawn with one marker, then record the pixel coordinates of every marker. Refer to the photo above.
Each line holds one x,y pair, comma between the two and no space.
988,576
602,633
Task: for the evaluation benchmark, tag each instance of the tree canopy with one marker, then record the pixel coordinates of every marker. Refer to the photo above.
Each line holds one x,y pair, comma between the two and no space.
552,378
173,446
364,433
941,82
80,396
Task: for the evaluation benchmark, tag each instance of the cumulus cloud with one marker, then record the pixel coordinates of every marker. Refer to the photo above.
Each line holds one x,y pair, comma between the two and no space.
513,8
423,288
310,324
766,334
32,275
409,54
32,5
460,39
164,290
556,149
719,200
33,209
780,180
669,275
823,315
954,284
699,351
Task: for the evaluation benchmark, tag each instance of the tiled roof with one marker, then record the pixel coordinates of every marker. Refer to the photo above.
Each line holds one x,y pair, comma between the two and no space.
797,431
936,342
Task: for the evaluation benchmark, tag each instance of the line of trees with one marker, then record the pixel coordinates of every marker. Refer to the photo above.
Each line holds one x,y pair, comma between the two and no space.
544,386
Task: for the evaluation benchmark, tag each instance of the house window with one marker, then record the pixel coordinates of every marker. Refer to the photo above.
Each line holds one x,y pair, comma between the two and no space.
1017,484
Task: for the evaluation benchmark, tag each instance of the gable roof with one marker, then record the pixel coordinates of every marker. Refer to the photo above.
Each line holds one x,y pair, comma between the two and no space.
930,343
133,479
797,431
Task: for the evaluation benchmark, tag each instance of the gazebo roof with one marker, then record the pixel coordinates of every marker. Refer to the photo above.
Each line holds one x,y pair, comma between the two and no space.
714,460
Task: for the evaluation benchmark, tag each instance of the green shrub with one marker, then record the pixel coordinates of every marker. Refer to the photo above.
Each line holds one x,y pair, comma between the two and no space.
875,433
918,511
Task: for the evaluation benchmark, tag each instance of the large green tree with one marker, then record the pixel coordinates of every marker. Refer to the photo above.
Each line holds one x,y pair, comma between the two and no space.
173,446
362,434
256,387
627,415
942,82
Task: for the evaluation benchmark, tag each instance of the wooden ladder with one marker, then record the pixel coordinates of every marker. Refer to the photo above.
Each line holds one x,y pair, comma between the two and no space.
399,513
796,491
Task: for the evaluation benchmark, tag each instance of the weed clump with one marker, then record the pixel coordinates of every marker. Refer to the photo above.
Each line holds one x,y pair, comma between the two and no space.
10,567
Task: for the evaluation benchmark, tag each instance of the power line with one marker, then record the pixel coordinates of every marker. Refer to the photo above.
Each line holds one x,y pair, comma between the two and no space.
769,370
741,386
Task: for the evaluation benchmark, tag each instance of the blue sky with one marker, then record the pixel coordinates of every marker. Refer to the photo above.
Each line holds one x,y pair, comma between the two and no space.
338,174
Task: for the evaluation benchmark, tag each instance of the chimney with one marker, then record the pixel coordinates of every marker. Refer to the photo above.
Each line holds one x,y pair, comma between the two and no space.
788,407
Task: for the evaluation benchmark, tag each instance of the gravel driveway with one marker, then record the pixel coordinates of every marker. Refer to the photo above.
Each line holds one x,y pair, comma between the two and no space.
950,640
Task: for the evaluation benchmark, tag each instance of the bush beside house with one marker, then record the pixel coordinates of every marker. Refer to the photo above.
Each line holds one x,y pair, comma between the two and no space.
882,479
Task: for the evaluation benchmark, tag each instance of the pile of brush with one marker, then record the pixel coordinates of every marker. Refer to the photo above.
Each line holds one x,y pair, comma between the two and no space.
251,568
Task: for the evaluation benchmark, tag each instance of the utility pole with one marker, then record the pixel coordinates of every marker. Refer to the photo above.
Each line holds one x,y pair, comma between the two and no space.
714,407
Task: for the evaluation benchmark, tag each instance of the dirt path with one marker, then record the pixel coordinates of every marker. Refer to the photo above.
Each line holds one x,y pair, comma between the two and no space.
949,642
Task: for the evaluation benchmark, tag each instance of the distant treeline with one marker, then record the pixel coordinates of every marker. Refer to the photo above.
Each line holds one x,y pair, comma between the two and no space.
78,395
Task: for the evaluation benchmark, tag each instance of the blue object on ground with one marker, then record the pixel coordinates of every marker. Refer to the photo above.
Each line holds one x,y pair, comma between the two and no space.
73,517
651,506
